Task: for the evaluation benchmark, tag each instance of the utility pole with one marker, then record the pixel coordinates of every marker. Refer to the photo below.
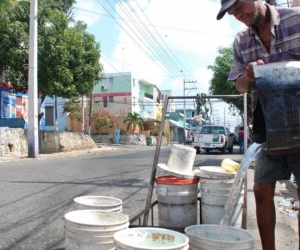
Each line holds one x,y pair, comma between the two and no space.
32,132
184,115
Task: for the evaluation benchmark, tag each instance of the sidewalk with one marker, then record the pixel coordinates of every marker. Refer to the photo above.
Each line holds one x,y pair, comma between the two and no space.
102,148
286,226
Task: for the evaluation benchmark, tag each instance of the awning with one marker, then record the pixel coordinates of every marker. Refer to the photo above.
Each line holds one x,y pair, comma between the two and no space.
175,124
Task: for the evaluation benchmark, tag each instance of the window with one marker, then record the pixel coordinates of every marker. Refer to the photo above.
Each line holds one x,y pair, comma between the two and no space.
133,101
111,101
133,82
105,102
111,81
49,115
125,100
104,82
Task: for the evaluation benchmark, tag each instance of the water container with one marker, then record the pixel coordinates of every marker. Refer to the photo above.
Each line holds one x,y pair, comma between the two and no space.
99,203
278,88
150,238
215,187
207,237
177,201
92,229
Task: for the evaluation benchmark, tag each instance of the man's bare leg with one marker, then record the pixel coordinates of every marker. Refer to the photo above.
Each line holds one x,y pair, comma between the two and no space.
265,213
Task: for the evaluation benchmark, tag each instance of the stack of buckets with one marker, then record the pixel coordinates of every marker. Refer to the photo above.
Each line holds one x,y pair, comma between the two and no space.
215,186
94,222
177,201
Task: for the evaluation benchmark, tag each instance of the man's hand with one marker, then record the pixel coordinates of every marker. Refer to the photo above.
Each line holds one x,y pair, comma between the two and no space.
244,82
249,70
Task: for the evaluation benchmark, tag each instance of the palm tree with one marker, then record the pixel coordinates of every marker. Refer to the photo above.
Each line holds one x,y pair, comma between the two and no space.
133,120
12,10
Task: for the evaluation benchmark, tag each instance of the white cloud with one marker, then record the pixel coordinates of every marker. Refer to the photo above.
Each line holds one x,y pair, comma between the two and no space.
88,16
187,28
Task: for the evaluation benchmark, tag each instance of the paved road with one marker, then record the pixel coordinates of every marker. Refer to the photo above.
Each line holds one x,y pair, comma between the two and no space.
36,193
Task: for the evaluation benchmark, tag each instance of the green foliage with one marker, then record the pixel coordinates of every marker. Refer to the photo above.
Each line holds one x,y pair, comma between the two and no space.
68,56
133,120
72,109
102,123
154,131
220,86
122,132
13,10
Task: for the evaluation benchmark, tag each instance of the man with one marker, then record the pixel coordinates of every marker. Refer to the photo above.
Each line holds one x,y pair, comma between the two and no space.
272,35
241,139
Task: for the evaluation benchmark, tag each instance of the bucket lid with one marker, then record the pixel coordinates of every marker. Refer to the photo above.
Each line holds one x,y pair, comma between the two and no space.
212,172
175,180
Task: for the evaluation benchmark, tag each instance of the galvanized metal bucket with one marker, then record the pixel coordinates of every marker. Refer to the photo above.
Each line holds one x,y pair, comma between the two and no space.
278,87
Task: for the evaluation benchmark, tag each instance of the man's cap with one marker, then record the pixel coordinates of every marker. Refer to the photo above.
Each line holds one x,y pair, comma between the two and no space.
225,5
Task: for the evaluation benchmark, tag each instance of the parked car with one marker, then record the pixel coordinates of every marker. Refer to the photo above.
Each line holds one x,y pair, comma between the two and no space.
212,137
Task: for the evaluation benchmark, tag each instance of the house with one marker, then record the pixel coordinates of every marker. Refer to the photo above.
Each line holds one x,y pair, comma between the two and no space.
121,93
53,120
14,107
174,127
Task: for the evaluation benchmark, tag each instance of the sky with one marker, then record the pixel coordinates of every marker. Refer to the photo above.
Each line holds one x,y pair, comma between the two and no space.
168,43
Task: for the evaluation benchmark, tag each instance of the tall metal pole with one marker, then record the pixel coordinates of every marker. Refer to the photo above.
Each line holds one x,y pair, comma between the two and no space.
245,123
82,112
224,116
32,132
184,115
184,112
90,114
56,119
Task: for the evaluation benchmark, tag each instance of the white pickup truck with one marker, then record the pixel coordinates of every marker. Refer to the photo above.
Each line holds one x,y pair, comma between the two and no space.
212,137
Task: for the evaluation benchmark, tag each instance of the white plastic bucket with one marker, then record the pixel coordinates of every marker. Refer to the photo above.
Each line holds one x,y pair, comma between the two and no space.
150,238
177,201
177,216
98,202
214,195
206,237
92,229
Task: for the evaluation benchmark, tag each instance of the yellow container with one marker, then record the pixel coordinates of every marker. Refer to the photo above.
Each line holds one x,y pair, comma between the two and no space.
230,165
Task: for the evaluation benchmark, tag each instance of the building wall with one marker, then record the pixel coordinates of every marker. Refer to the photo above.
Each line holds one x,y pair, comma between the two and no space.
13,105
48,121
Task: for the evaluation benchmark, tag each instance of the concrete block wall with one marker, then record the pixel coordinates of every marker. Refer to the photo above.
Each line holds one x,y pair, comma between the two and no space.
13,141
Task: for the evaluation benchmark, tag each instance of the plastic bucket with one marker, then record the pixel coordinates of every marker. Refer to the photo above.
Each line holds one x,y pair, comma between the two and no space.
206,237
177,201
214,195
278,86
92,229
150,238
98,202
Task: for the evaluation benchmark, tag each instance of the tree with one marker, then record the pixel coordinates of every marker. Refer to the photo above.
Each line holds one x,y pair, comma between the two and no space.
133,120
68,56
12,10
102,123
219,85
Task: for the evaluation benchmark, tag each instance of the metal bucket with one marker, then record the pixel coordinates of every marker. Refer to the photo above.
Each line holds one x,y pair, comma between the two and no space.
206,237
278,88
177,201
151,239
99,203
92,229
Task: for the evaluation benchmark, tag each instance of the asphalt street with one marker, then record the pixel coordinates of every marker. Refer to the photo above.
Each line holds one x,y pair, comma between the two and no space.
286,227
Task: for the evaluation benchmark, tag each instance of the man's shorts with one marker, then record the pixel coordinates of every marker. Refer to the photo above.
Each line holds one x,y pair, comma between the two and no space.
272,168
